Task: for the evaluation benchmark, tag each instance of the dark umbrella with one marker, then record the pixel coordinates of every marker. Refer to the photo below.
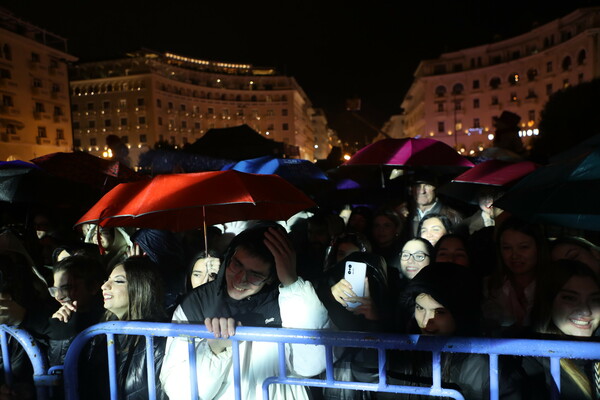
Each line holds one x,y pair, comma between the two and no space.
565,194
99,173
26,183
490,174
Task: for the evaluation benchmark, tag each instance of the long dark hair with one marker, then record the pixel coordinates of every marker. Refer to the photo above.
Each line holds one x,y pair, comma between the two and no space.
145,290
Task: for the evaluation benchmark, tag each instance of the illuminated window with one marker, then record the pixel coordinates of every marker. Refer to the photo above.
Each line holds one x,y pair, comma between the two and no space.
513,79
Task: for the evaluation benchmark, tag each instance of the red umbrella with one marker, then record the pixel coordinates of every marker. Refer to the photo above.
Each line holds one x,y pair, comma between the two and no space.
494,173
180,202
86,168
409,152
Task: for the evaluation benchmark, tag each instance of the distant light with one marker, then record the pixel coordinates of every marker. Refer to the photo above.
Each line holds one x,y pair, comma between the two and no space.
346,157
529,132
491,136
219,80
520,133
267,133
471,152
536,132
316,146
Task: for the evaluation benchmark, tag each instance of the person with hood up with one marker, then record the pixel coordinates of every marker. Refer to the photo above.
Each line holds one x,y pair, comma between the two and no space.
258,286
444,299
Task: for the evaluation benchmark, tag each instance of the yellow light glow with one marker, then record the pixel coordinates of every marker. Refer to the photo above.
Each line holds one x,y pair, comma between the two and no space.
346,157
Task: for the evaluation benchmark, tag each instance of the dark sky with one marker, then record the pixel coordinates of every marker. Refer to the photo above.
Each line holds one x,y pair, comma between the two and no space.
334,49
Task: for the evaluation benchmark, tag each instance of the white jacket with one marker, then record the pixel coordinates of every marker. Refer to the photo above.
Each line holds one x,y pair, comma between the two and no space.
300,308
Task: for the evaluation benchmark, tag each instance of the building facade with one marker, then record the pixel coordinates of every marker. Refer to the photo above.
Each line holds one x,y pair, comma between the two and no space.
455,97
150,97
35,116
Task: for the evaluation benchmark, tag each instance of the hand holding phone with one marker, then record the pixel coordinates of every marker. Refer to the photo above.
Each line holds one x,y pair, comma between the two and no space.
355,273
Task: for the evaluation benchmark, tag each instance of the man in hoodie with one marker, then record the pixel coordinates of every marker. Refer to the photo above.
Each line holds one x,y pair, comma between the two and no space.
259,286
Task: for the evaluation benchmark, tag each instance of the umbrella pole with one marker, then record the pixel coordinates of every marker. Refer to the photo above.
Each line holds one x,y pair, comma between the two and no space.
204,226
382,176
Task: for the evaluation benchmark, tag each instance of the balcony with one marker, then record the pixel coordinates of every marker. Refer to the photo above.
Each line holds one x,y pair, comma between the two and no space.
61,142
43,140
37,115
10,137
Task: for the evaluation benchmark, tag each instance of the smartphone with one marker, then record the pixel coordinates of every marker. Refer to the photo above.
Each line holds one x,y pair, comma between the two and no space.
355,273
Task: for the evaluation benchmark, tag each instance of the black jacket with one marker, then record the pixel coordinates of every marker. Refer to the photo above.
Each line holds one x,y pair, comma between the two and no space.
131,368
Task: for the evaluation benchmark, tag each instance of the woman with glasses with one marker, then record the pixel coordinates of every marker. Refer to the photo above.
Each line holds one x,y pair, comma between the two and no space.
415,254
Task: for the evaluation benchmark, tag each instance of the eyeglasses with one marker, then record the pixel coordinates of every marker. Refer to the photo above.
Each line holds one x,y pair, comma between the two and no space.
418,257
252,278
55,290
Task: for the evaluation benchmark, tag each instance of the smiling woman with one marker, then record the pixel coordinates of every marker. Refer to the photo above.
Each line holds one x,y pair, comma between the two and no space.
568,308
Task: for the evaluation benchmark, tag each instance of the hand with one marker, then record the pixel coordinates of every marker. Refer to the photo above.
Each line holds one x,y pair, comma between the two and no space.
279,244
134,250
221,328
65,312
367,307
11,312
341,291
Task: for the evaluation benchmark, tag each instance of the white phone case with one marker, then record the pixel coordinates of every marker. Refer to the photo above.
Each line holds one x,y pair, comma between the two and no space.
355,273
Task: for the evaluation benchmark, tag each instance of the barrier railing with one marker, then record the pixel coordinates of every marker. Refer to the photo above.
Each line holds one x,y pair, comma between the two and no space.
554,350
42,378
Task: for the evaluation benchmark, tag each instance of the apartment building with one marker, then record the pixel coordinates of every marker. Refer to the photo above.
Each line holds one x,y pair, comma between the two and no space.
454,98
151,97
35,116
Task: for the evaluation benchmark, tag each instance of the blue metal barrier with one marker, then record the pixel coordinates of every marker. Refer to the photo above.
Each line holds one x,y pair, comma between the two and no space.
42,379
555,350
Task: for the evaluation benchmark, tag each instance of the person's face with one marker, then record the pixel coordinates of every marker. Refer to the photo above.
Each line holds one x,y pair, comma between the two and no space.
205,270
357,223
432,317
115,293
452,250
423,193
519,252
318,235
246,275
344,249
106,238
486,205
576,308
384,230
42,226
432,229
568,251
409,266
68,288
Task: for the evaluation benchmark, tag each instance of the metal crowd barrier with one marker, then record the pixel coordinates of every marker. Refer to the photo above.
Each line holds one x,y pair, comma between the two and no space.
43,379
555,350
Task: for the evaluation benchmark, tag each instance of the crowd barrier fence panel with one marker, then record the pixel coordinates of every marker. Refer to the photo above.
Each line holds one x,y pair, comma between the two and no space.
554,350
43,379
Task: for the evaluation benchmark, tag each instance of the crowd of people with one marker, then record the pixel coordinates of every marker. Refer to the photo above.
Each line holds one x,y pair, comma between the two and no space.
430,270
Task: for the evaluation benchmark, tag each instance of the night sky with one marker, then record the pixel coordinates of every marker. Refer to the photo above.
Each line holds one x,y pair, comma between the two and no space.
334,49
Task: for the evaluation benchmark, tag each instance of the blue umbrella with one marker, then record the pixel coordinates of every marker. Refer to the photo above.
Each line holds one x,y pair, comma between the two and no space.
298,172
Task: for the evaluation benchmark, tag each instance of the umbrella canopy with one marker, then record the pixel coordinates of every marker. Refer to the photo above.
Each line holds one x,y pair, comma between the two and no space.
86,168
565,194
301,173
409,152
179,202
23,182
491,173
